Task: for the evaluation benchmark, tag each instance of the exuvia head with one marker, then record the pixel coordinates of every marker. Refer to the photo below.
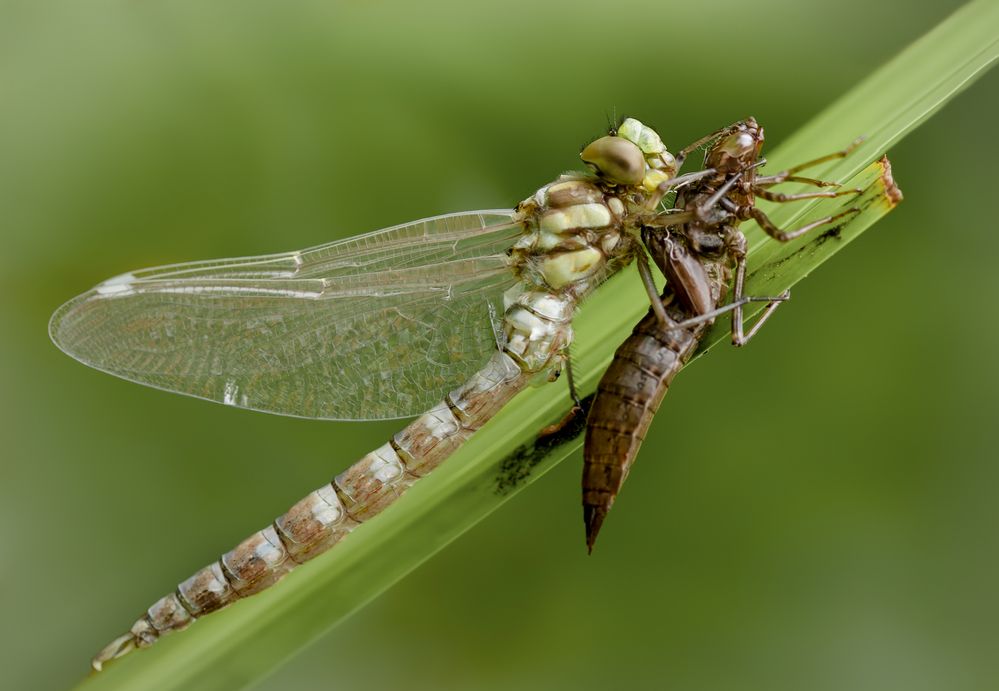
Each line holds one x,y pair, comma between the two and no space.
632,155
737,150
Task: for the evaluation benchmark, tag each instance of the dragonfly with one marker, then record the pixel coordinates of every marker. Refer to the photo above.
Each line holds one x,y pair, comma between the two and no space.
700,252
446,318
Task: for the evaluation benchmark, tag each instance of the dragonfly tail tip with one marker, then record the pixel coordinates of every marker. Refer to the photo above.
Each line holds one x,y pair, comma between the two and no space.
113,650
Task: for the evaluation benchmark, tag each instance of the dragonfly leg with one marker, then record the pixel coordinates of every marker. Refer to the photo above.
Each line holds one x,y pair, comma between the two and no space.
577,405
778,197
784,235
571,381
730,307
771,180
669,185
719,194
842,153
668,219
719,197
739,338
658,306
737,246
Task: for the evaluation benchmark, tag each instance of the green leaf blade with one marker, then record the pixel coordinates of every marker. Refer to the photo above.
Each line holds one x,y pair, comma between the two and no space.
240,645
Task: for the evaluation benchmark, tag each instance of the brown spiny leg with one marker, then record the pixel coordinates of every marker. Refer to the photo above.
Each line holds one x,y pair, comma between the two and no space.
786,175
771,180
736,242
785,235
731,307
778,197
658,304
575,410
667,219
721,192
668,186
571,381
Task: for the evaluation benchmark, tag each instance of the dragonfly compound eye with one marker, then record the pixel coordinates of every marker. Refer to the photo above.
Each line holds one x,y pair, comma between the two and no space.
616,159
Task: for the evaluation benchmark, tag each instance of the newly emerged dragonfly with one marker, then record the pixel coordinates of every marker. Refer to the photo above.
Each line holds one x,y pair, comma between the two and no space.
451,315
701,252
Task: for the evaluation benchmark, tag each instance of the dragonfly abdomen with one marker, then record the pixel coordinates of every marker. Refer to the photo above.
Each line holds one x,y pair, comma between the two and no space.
537,328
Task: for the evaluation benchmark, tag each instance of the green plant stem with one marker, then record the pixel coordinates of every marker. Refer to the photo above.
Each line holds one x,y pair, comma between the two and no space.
240,645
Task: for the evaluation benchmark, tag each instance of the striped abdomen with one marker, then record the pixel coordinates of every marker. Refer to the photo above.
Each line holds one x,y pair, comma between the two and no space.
628,396
327,515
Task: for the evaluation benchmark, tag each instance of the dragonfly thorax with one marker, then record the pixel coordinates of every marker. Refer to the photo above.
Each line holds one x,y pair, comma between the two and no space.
575,230
581,228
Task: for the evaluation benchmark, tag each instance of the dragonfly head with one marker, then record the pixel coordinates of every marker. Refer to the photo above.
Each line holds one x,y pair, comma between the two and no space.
632,154
737,150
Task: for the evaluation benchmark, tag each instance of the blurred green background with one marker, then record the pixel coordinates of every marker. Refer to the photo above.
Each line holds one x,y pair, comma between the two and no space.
816,511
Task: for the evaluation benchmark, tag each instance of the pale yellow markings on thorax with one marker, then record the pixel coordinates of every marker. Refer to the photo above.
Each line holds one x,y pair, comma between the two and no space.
609,241
547,241
616,206
579,216
568,267
653,179
572,192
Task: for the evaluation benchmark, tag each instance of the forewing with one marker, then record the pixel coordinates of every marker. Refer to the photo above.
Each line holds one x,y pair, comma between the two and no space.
372,327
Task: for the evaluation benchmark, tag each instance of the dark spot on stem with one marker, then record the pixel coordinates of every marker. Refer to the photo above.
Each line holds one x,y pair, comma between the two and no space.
831,233
521,462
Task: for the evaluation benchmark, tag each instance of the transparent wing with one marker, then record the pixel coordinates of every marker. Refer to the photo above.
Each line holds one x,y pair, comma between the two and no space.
372,327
